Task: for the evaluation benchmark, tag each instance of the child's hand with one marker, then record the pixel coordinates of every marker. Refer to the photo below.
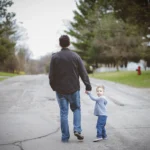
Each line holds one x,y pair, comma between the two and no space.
87,92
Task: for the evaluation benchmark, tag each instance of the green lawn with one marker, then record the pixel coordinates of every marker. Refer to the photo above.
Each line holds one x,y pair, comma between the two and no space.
1,79
5,75
126,77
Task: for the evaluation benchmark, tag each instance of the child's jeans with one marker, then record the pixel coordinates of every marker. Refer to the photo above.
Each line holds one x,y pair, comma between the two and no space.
101,131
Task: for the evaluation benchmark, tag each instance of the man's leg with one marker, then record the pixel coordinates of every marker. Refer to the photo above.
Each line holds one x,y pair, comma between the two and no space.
63,104
75,107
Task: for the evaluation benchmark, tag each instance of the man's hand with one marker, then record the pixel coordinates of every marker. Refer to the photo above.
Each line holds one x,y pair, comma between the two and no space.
87,92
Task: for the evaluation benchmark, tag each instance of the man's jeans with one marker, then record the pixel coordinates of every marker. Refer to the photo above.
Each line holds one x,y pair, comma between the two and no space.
74,100
101,131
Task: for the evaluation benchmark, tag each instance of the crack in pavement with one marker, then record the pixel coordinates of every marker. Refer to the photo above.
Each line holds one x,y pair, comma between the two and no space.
115,101
129,128
112,99
123,91
19,143
49,98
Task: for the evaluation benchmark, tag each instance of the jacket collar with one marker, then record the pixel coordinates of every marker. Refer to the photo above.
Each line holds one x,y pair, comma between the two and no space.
65,48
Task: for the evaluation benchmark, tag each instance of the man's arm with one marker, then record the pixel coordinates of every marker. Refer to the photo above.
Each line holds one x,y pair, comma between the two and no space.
51,74
84,76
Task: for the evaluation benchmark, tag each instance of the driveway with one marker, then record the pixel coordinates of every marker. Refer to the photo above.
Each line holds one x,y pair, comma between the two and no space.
29,117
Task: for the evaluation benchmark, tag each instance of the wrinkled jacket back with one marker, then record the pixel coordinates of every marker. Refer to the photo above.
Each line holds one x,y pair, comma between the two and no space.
65,68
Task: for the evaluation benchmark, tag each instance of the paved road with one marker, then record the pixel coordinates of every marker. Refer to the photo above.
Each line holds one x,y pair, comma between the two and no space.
29,117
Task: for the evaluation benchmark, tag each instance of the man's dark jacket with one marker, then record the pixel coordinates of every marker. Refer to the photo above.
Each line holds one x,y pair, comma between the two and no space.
65,69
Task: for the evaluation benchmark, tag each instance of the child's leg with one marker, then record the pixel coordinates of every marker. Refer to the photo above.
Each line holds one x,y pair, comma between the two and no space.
101,132
104,135
99,127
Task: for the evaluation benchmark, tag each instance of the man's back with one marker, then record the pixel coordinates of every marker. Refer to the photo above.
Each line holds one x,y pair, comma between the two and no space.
66,68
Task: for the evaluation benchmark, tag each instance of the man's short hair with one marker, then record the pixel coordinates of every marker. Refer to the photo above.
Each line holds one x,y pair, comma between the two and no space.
64,41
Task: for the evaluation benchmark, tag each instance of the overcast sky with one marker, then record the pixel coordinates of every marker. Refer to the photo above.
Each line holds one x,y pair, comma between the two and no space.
44,21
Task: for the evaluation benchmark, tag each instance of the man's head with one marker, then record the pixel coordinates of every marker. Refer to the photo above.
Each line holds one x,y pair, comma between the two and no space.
64,41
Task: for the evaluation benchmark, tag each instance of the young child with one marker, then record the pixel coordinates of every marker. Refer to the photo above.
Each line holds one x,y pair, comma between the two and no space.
100,111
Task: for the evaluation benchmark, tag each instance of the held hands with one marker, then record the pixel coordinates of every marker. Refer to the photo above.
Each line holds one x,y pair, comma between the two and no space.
87,92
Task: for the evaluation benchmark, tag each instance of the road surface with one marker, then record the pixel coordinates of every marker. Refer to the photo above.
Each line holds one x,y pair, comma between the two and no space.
29,117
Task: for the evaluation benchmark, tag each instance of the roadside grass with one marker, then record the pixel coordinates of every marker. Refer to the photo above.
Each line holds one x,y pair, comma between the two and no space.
5,75
126,77
1,79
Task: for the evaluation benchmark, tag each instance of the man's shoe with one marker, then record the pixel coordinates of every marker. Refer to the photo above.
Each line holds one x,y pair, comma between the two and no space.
97,139
64,141
78,135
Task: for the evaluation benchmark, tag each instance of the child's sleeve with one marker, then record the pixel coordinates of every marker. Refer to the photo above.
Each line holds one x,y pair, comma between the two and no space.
93,98
105,102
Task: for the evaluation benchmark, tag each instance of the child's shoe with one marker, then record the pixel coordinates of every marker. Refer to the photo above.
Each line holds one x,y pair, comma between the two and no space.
105,138
97,139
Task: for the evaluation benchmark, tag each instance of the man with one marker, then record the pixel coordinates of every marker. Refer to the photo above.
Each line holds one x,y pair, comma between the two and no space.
65,69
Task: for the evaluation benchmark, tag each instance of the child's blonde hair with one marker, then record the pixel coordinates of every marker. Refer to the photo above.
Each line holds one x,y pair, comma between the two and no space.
100,86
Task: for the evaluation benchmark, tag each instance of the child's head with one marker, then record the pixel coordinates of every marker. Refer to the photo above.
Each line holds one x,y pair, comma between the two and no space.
100,90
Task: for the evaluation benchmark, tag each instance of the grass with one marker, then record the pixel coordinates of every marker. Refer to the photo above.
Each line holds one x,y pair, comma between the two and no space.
126,77
5,75
1,79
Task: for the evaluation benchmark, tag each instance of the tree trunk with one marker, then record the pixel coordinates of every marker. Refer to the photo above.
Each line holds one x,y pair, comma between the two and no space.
117,65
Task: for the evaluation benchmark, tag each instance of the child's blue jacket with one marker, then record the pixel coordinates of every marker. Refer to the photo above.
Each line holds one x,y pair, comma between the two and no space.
100,105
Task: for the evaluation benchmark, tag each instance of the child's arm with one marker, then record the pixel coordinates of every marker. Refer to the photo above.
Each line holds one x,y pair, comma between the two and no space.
92,97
